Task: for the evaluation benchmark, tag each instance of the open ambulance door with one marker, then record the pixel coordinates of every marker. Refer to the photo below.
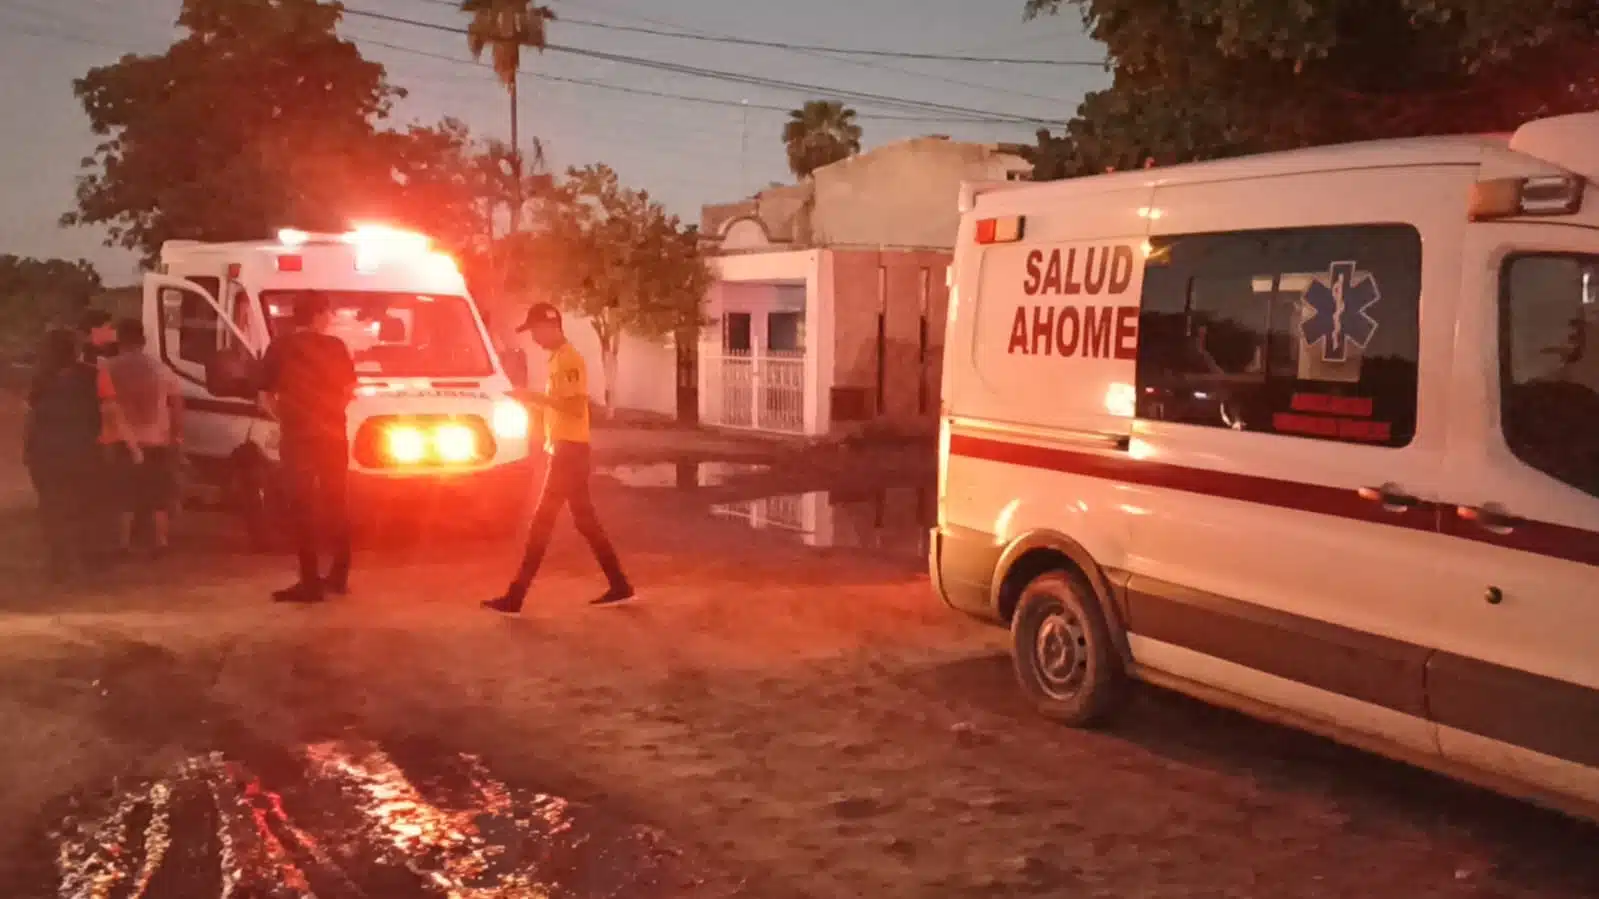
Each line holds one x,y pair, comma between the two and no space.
192,334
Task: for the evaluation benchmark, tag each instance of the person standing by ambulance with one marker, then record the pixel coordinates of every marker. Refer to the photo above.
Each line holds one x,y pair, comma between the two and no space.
98,331
307,382
151,399
98,343
71,404
564,408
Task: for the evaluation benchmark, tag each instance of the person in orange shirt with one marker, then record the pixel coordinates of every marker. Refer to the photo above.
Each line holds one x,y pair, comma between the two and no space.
99,342
98,332
564,410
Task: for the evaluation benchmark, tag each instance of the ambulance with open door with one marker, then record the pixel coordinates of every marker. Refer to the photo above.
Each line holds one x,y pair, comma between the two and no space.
432,429
1311,434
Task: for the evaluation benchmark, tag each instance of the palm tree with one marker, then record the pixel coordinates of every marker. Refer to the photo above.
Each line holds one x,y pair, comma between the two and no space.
819,133
505,27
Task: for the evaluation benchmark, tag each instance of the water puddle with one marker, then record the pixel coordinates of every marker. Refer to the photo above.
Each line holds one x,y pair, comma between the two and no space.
890,521
352,823
681,475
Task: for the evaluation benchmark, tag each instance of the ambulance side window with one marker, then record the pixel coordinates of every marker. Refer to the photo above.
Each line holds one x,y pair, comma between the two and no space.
198,325
1309,332
1549,357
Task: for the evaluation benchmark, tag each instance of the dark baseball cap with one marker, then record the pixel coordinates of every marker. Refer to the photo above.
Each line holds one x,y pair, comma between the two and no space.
540,314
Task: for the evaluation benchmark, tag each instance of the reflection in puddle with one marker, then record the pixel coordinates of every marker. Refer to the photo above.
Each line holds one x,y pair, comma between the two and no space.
681,475
350,822
892,521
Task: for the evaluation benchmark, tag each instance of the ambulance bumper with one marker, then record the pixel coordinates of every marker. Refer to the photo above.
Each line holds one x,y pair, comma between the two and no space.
466,499
962,564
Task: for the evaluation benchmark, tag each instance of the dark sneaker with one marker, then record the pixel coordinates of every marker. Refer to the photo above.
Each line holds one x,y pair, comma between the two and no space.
299,593
504,604
618,593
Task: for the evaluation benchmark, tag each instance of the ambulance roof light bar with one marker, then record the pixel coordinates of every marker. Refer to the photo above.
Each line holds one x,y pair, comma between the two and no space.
999,230
1542,195
376,236
371,235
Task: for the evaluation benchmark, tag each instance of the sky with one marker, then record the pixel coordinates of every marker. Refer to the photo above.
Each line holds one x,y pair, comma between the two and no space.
684,153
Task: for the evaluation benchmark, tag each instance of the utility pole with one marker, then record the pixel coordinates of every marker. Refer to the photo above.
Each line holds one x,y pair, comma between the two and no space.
744,148
516,161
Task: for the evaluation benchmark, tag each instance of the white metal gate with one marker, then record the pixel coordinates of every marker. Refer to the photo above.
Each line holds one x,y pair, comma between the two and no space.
758,390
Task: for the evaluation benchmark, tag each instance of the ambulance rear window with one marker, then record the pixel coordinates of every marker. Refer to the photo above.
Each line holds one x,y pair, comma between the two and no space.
395,334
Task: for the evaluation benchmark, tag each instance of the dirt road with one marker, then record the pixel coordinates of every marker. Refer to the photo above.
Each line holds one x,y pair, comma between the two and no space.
769,720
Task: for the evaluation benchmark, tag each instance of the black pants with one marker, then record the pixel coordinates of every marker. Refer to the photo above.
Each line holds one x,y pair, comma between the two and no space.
317,474
67,509
566,482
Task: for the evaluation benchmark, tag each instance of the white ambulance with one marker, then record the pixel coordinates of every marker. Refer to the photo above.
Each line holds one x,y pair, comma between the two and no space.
1312,434
432,430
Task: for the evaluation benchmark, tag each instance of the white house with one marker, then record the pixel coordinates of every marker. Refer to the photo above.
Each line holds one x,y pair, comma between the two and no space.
830,294
828,306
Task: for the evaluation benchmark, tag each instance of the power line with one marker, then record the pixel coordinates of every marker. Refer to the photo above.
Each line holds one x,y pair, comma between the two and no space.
735,77
842,51
62,36
693,147
665,95
815,48
808,89
49,31
920,74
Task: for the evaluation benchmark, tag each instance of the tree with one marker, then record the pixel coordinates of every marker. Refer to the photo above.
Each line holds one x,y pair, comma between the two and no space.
259,116
820,133
613,256
449,184
1197,80
36,292
505,27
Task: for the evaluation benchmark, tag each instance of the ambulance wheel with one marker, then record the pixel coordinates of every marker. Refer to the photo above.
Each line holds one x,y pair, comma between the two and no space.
1062,651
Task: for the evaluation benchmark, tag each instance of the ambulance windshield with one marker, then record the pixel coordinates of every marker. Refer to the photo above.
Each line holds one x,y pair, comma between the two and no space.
397,335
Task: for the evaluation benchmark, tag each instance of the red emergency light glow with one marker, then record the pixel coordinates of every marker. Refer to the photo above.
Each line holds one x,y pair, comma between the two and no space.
291,263
1000,230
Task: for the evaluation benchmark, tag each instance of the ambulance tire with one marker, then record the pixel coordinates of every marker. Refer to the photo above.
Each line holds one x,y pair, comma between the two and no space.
1061,648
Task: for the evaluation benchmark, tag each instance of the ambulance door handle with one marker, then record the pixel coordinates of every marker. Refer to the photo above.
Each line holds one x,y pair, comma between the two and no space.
1491,517
1389,497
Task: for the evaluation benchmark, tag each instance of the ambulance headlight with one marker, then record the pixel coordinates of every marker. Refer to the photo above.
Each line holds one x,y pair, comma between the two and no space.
405,444
455,443
425,442
509,420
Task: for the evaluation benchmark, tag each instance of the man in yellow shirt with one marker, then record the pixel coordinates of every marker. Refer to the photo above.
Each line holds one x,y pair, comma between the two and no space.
564,410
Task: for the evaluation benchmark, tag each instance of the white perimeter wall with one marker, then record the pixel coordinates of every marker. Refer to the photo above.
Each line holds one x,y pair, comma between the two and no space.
646,371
